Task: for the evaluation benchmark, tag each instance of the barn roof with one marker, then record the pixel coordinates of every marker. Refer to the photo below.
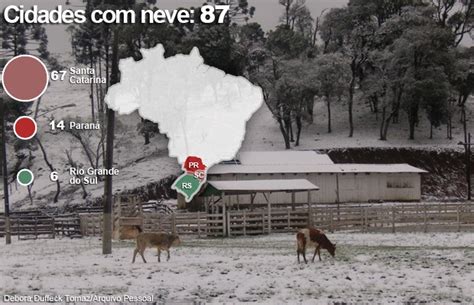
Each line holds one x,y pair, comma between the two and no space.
271,185
283,158
322,168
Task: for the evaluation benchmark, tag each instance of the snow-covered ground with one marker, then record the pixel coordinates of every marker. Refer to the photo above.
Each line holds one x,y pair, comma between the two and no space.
370,268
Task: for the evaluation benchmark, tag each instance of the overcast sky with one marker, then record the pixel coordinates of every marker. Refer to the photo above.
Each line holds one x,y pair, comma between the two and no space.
267,14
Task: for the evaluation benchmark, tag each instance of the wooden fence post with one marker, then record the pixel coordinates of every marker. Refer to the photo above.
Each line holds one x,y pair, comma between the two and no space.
54,229
229,229
393,219
263,221
36,227
269,214
366,220
224,220
425,219
331,229
173,223
458,218
289,220
245,223
199,224
19,227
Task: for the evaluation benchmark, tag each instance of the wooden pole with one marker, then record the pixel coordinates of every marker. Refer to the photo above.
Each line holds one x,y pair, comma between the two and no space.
310,210
4,170
109,155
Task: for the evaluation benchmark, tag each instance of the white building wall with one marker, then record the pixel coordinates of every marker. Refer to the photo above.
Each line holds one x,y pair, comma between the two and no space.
360,187
404,187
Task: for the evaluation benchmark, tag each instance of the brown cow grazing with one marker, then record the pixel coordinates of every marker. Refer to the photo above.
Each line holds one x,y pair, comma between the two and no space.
161,240
312,237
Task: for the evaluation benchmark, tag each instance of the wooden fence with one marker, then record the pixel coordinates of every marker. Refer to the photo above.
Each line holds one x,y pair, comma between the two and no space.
30,227
68,225
261,222
422,217
382,218
91,224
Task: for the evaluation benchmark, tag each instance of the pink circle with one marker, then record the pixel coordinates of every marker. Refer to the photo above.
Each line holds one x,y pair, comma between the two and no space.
25,78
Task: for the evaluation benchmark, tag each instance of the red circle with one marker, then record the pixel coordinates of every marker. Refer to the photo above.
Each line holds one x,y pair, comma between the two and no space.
25,128
25,78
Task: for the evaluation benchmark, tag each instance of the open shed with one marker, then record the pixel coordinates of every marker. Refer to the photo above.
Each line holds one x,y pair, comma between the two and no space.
221,193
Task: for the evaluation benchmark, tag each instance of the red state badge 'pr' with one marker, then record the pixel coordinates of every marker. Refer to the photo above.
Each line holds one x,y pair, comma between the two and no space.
193,164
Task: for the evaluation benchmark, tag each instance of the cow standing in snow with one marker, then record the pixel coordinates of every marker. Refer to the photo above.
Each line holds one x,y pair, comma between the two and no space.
161,240
312,237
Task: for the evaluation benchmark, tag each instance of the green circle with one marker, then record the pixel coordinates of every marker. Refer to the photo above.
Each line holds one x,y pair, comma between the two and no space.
25,177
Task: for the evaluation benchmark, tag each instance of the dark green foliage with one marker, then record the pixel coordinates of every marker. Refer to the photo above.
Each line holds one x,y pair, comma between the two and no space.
284,42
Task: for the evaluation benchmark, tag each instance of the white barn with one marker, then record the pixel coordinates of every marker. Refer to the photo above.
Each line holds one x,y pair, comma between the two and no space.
338,183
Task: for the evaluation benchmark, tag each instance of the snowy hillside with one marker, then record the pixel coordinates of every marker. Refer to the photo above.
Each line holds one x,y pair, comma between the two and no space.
263,132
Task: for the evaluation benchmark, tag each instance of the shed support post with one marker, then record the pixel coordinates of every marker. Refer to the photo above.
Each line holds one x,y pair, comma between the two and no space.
310,210
269,213
224,220
245,223
293,201
252,198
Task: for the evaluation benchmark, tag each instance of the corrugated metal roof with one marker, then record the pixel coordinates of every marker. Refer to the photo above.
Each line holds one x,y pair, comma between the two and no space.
283,158
324,168
276,185
380,168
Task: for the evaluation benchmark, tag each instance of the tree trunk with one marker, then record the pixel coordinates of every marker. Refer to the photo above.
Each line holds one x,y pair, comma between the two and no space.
328,103
412,123
38,103
284,132
383,137
412,120
299,126
350,105
310,109
51,168
464,121
449,125
289,128
91,65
